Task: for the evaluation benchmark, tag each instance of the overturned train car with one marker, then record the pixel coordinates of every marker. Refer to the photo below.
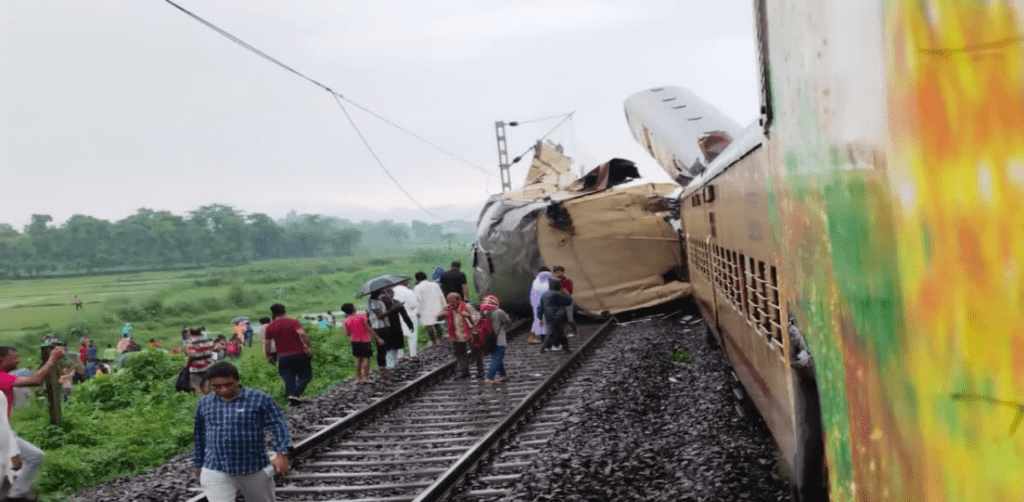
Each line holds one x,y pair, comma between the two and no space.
618,244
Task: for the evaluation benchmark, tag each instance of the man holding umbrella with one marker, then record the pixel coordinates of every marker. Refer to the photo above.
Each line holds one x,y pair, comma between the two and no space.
378,308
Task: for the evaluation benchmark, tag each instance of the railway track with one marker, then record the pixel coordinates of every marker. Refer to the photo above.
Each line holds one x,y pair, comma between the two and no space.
440,437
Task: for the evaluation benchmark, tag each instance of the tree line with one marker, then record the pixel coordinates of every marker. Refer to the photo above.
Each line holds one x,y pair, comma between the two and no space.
214,234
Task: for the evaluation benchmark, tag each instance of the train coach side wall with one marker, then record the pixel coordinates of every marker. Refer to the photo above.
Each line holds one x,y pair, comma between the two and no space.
732,218
896,154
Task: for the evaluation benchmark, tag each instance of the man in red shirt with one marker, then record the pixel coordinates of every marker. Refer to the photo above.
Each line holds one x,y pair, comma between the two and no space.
559,272
31,458
294,353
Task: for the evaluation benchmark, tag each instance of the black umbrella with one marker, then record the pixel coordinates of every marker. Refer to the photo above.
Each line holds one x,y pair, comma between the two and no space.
379,283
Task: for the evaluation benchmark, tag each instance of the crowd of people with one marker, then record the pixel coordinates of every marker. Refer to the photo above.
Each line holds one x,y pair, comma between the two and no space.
440,305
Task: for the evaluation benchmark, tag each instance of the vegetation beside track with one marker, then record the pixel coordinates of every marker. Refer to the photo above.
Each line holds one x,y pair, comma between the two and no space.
133,420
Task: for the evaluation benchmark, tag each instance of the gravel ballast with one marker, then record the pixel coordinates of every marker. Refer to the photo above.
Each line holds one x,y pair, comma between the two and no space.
658,430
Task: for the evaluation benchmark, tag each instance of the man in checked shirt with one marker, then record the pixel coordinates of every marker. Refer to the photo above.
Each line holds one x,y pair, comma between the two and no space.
230,445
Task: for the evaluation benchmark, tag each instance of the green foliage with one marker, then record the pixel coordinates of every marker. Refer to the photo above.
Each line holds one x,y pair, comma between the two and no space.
133,420
113,426
681,356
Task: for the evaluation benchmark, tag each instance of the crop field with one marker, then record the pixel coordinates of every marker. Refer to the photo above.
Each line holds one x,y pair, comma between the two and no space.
160,304
31,306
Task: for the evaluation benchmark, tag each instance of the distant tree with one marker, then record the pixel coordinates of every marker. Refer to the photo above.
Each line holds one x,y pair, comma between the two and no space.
226,231
41,235
6,230
266,237
343,240
85,236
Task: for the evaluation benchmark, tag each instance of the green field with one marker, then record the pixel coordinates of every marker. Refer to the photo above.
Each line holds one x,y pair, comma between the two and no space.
91,445
160,304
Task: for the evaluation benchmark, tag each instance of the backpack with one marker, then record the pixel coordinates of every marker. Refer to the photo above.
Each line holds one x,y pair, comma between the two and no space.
232,347
484,336
183,384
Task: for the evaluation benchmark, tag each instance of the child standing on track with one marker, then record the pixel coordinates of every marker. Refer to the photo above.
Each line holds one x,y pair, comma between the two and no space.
499,322
357,328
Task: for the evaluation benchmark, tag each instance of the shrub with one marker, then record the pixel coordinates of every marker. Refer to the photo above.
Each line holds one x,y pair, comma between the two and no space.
240,297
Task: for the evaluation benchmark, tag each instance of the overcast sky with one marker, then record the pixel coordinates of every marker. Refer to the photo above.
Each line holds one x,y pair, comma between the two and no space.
112,105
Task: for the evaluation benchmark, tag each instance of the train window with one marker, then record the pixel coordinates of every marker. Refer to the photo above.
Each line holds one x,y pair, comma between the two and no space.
762,283
711,219
774,307
753,305
737,285
695,200
709,193
761,29
744,296
669,99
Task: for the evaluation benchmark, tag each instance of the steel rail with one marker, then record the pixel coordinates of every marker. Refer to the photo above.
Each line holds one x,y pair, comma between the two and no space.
451,479
305,447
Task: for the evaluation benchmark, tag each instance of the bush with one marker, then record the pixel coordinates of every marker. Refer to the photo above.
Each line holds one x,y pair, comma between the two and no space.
118,425
379,261
239,297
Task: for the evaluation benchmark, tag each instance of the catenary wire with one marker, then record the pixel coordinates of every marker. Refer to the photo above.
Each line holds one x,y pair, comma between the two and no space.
560,122
521,122
322,86
380,163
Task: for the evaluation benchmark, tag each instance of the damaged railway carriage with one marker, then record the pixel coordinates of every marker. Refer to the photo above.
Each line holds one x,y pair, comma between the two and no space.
859,251
589,225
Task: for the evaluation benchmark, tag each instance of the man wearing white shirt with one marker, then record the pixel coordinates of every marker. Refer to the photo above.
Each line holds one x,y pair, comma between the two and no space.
10,460
408,298
430,301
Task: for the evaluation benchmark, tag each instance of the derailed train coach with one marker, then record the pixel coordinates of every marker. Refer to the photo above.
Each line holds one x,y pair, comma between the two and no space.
619,244
858,250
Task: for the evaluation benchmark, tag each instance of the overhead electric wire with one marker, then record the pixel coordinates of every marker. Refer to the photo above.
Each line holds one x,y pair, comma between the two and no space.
521,122
381,164
560,122
336,97
410,133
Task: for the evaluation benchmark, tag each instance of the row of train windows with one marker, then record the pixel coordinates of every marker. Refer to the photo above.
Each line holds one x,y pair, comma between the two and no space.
750,286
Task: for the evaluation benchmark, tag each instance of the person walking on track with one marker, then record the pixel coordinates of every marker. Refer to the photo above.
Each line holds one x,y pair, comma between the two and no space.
294,353
431,300
230,446
460,318
490,310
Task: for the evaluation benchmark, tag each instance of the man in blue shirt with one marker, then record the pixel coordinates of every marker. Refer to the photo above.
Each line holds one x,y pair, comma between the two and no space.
230,453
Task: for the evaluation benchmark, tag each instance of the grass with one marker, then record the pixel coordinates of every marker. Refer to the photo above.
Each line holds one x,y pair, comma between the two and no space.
206,297
681,356
133,420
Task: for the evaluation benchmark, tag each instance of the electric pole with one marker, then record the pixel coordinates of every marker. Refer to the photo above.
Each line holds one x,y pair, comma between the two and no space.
503,165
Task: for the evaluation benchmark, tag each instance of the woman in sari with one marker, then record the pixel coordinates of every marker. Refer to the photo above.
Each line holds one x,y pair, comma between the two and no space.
537,290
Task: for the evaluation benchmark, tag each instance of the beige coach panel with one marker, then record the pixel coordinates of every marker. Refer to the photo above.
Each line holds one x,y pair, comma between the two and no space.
618,249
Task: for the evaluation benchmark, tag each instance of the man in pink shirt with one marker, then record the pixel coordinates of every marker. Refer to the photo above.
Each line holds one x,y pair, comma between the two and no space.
31,458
